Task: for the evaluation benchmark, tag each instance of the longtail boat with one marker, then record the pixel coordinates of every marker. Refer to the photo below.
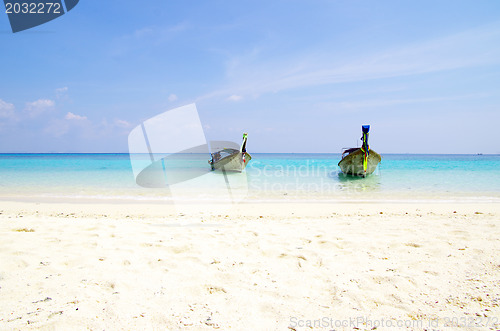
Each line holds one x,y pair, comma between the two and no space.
230,159
360,161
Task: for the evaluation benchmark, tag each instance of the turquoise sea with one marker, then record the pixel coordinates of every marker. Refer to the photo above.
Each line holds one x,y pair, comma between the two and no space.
267,177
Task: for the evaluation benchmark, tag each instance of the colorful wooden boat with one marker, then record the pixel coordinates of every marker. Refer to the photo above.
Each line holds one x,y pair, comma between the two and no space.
360,161
230,159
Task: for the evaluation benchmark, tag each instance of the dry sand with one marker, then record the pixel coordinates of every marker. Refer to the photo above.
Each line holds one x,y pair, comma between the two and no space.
257,267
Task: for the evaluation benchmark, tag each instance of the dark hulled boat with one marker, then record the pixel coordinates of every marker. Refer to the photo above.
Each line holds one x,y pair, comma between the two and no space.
360,161
231,159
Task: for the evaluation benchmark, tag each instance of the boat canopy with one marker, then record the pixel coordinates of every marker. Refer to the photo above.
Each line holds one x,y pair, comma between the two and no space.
348,151
217,156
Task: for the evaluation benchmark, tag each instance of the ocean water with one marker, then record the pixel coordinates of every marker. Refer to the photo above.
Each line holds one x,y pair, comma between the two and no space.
267,177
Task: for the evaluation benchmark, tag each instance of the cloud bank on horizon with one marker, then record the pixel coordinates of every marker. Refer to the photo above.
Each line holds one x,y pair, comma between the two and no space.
297,76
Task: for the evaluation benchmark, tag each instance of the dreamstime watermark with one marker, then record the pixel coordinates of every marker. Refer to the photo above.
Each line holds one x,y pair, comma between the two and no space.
26,14
366,322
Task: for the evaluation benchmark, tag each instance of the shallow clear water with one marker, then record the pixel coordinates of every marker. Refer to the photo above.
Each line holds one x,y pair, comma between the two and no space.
268,176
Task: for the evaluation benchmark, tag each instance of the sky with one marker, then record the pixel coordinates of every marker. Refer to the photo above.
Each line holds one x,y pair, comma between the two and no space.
300,76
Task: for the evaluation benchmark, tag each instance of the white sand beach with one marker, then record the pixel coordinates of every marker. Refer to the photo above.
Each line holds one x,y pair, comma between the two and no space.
273,266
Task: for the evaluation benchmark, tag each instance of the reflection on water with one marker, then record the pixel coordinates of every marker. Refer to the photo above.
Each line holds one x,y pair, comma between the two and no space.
348,183
306,177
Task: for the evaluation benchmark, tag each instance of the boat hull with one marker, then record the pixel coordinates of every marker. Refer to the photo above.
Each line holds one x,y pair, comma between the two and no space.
233,162
352,164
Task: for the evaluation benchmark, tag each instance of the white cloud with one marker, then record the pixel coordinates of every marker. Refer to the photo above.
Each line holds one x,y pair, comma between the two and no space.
392,102
61,91
70,116
42,103
122,123
172,97
235,97
255,76
37,107
6,109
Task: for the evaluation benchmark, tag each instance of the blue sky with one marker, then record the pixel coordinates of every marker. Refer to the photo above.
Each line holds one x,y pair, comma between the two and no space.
298,76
